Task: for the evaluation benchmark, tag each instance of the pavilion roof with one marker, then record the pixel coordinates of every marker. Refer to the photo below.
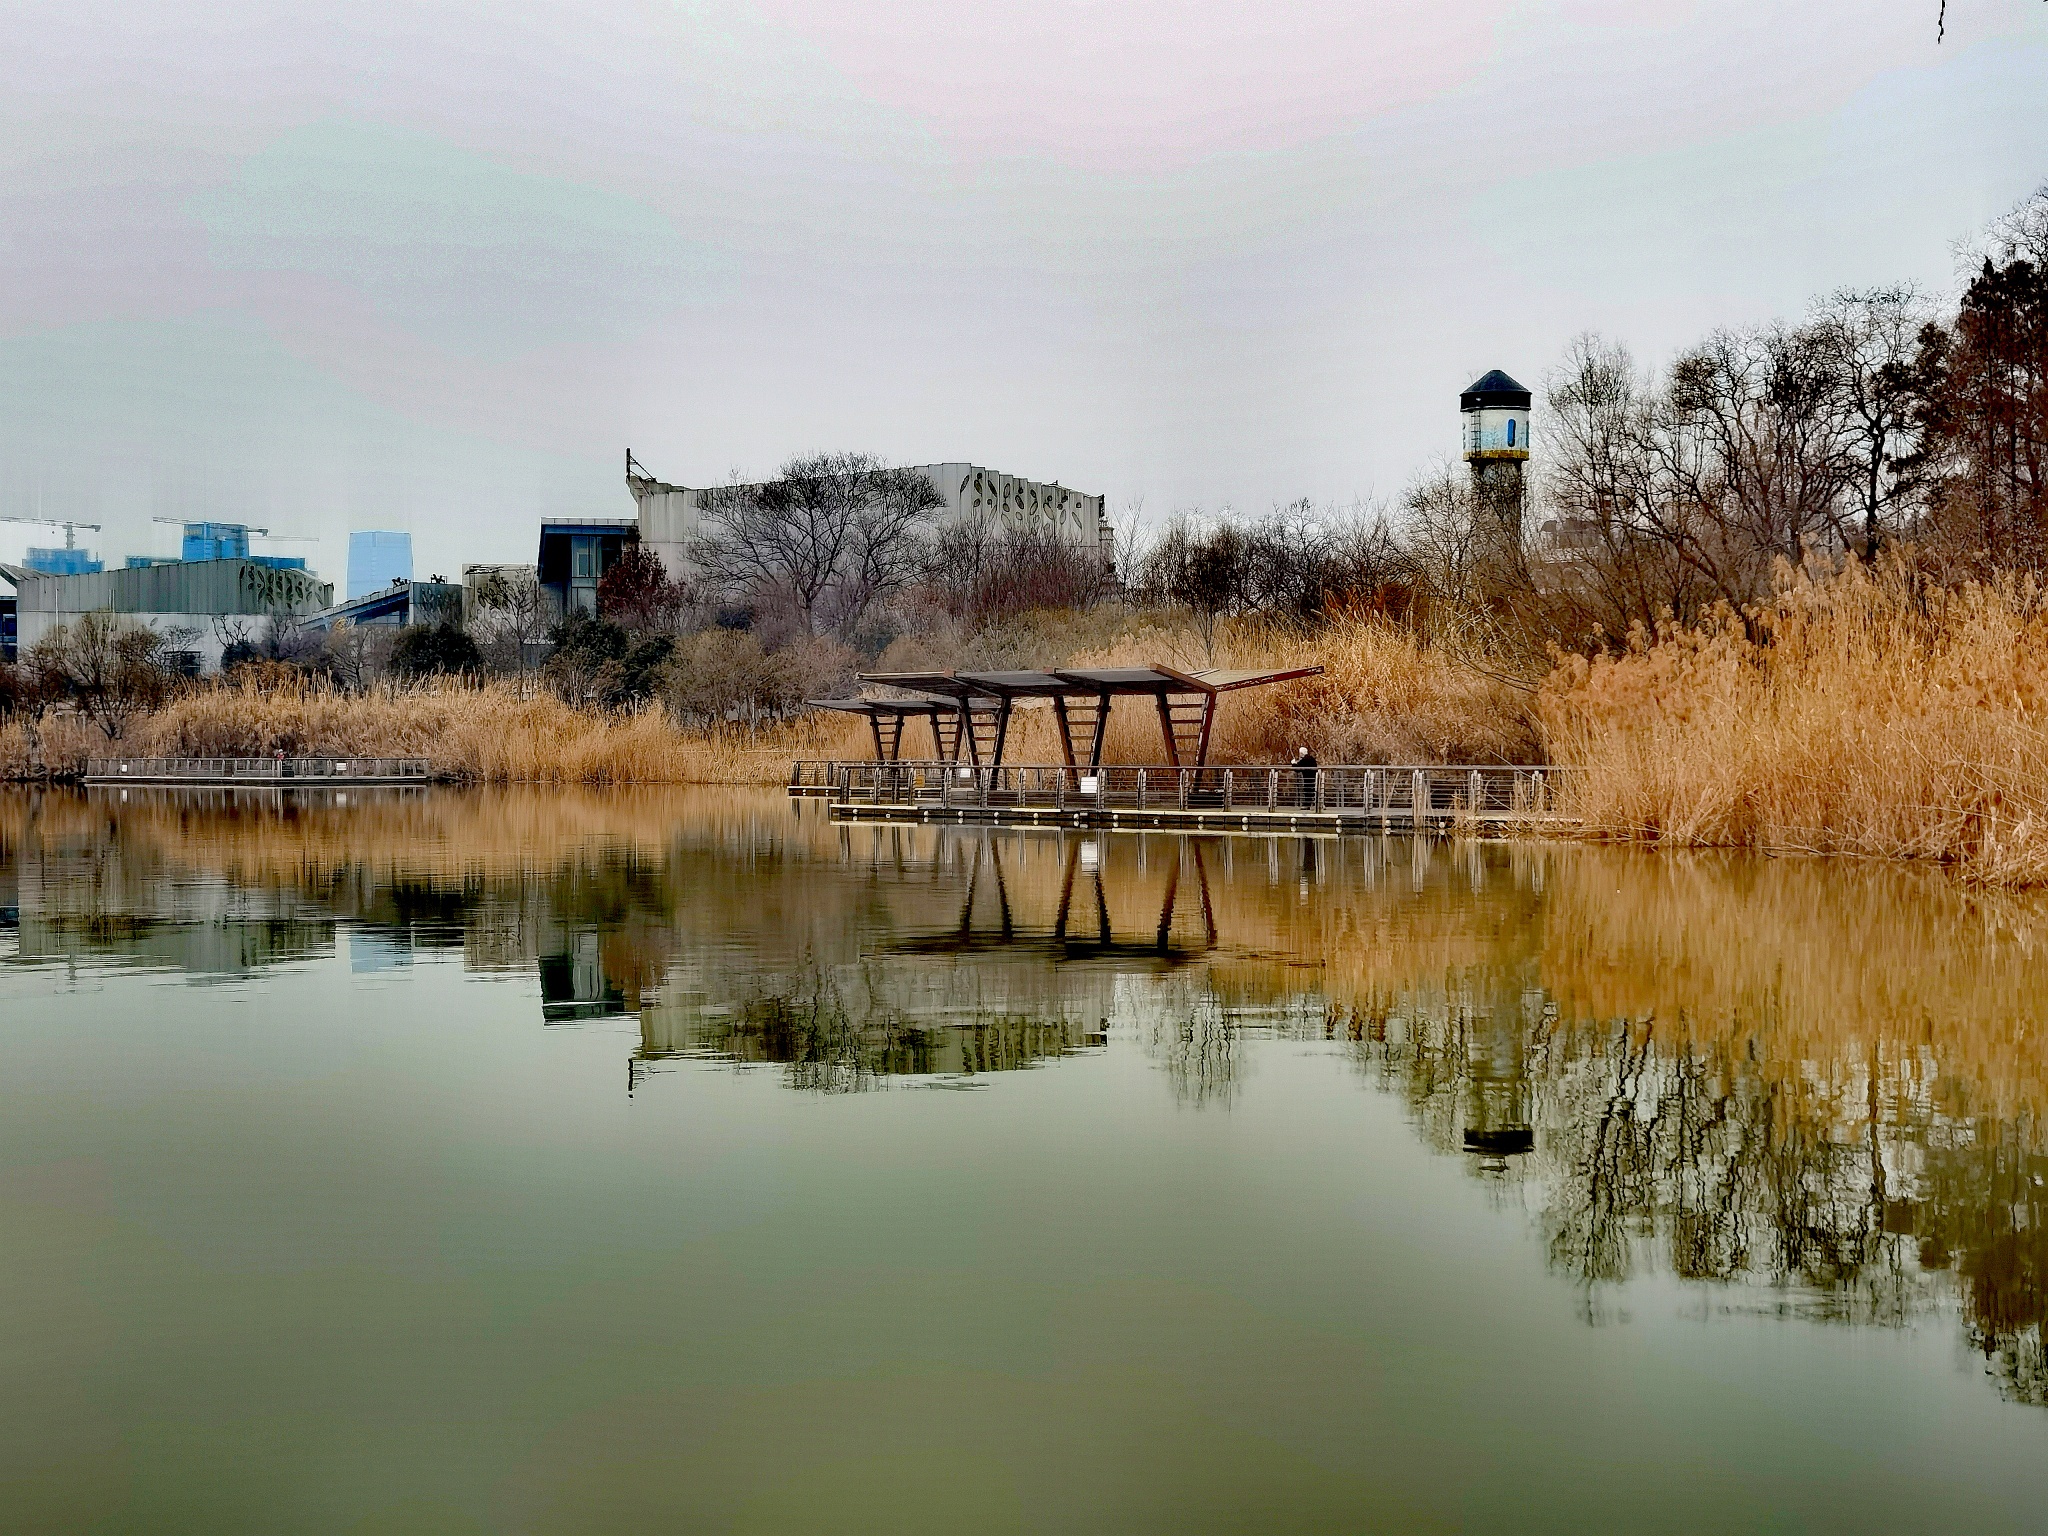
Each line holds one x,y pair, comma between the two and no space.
1083,682
884,706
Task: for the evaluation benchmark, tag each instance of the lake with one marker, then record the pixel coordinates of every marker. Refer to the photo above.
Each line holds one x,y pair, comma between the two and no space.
678,1160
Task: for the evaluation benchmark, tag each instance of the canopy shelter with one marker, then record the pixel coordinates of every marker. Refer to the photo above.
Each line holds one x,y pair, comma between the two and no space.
887,717
1080,697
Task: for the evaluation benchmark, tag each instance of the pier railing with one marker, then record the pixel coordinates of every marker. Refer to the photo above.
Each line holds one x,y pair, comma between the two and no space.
1402,793
258,770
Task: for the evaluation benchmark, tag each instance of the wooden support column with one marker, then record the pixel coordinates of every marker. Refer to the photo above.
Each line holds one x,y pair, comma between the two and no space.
890,732
1208,720
1002,729
1059,709
1166,729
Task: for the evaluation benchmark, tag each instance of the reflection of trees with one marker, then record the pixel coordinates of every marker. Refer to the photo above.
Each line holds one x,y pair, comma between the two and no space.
831,1042
1983,1211
1846,1185
1185,1026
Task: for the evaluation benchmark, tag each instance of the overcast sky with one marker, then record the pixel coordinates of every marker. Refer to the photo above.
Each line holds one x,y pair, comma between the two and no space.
436,266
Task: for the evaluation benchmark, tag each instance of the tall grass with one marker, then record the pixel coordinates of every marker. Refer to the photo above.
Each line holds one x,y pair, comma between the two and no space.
1382,697
491,734
1865,713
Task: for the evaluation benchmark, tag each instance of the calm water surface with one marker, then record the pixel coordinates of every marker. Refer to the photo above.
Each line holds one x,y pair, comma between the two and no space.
680,1161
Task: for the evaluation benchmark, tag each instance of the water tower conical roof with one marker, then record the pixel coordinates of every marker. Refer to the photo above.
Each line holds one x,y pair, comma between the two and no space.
1494,391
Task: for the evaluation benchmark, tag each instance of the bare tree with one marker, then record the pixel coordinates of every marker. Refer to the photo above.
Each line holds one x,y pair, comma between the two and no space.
1751,456
1601,543
832,534
358,653
111,669
511,621
983,571
1201,571
1872,336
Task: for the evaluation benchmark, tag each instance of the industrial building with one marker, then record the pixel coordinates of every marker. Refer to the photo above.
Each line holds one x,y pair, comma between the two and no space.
200,607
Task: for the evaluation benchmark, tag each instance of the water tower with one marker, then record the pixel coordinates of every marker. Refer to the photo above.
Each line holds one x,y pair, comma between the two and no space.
1496,414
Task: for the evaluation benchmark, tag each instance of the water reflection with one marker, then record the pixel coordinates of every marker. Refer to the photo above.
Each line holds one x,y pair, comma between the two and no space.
1804,1087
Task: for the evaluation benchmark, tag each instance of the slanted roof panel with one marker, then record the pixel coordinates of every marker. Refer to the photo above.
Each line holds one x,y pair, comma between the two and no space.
1039,683
1116,679
880,706
1222,680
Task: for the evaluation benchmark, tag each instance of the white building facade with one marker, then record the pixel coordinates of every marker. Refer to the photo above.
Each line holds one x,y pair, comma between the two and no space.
671,516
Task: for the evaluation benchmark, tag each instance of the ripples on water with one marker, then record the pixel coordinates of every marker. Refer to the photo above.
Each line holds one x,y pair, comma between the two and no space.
1795,1088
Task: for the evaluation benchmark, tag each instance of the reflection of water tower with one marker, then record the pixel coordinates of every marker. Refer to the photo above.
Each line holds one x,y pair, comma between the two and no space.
1497,1081
1495,410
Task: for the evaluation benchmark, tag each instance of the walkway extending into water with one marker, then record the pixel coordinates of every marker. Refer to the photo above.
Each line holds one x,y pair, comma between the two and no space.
260,772
1341,798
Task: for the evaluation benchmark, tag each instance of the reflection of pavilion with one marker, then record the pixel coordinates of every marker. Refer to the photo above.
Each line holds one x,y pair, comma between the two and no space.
573,983
1069,936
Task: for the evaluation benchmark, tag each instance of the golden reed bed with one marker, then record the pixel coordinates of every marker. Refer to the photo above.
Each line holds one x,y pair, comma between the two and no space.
1382,697
1867,714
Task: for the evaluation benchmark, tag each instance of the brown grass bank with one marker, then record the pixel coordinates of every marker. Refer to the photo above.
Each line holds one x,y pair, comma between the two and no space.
490,734
1866,714
1382,697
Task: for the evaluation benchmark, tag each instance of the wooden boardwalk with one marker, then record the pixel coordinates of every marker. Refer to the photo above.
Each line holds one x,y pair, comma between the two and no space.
261,772
1342,798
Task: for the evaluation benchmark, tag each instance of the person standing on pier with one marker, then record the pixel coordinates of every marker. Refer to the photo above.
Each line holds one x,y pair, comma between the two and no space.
1305,776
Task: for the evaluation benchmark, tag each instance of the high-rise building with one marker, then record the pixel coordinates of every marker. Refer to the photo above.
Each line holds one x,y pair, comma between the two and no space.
376,559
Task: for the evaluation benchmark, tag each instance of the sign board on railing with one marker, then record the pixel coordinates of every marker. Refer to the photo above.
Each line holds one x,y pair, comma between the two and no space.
1088,783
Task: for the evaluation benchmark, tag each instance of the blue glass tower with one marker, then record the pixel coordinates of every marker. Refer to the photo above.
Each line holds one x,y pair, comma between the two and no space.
376,559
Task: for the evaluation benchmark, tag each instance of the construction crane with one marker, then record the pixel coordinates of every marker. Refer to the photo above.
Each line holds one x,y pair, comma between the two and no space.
69,526
214,522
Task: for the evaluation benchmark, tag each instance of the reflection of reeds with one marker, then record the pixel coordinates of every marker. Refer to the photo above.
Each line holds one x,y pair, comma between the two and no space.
1802,960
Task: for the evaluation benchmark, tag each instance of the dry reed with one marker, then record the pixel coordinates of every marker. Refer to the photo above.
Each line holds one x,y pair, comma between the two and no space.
1382,697
491,734
1864,713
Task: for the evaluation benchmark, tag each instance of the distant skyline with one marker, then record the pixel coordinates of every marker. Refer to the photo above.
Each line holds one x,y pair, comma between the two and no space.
435,268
